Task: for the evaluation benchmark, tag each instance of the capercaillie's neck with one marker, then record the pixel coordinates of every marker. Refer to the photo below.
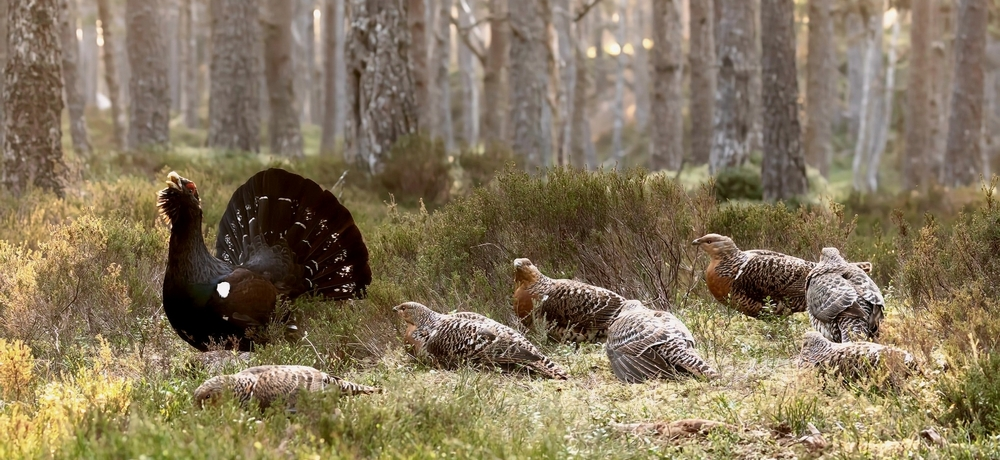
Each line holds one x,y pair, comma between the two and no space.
188,257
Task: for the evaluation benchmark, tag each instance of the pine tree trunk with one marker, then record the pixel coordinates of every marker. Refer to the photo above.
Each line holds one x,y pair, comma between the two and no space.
189,65
783,174
332,71
4,5
380,85
963,160
419,57
887,100
641,88
302,34
283,123
496,75
870,107
563,28
149,112
580,142
32,150
702,62
919,145
111,73
527,84
734,113
234,103
170,14
75,100
470,88
91,62
820,88
617,150
942,55
667,131
854,26
442,60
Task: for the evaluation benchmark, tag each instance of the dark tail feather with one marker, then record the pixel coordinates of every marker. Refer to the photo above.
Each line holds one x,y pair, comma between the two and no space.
276,208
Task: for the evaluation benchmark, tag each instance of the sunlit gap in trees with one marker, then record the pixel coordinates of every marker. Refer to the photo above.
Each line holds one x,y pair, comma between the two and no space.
100,33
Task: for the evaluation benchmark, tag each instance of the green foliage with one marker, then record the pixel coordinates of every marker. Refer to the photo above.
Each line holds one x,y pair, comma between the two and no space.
417,167
480,167
972,398
739,183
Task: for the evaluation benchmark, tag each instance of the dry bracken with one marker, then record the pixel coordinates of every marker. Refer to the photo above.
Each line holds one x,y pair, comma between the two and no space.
647,344
467,337
575,311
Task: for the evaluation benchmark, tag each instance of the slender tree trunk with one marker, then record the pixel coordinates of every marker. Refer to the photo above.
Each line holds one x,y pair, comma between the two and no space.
942,54
4,8
380,85
233,104
527,83
702,62
963,160
91,62
563,27
641,73
919,146
883,130
283,124
315,45
75,100
302,63
667,114
470,89
820,89
32,150
442,58
783,174
855,30
332,71
420,62
617,150
495,75
111,75
734,114
149,112
189,64
580,143
170,29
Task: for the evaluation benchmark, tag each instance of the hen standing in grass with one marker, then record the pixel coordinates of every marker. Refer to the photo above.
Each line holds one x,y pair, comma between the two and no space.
744,280
467,337
281,234
844,303
267,384
648,344
575,311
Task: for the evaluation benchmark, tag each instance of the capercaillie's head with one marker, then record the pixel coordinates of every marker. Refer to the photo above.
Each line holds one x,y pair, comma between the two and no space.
525,272
414,312
179,200
715,244
832,256
815,347
211,391
631,305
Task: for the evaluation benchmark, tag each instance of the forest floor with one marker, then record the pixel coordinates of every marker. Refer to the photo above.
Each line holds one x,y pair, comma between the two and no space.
90,368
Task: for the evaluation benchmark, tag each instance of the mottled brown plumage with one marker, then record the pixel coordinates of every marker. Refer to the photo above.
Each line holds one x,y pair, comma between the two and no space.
470,338
267,384
853,360
844,303
744,280
575,311
647,344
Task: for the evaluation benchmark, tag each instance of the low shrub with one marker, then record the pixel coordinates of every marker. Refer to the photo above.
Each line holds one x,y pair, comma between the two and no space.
972,398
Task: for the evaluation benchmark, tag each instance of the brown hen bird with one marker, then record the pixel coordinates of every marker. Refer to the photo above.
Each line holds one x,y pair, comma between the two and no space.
853,360
575,311
267,384
745,280
648,344
471,338
844,303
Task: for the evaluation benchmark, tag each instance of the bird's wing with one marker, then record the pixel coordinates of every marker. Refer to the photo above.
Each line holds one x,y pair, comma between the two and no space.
829,294
243,298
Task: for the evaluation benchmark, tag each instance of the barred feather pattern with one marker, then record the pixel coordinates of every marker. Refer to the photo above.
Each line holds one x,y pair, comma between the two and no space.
844,303
756,281
852,360
268,384
648,344
470,338
575,311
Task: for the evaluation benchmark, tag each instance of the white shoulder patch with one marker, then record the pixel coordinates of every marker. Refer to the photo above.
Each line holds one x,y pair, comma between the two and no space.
223,289
744,265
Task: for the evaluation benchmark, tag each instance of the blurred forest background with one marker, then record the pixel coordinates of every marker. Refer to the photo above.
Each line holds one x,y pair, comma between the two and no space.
874,95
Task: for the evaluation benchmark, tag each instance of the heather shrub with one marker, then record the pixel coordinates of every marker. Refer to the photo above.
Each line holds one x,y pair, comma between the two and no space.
738,183
481,165
972,397
416,167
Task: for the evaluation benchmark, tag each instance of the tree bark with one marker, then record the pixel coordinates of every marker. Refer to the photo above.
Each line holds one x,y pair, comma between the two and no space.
302,56
420,61
32,150
641,73
91,59
580,141
332,72
380,85
75,100
783,173
667,131
234,103
111,73
734,113
882,133
919,145
617,150
470,88
943,55
820,87
702,62
527,83
190,98
495,75
869,106
283,128
854,26
562,20
442,59
963,160
149,111
4,8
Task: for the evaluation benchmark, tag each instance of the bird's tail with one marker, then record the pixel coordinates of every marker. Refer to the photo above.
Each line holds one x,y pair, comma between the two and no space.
277,215
351,388
697,366
550,369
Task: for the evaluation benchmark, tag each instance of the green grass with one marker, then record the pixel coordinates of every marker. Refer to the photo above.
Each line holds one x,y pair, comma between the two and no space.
104,375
